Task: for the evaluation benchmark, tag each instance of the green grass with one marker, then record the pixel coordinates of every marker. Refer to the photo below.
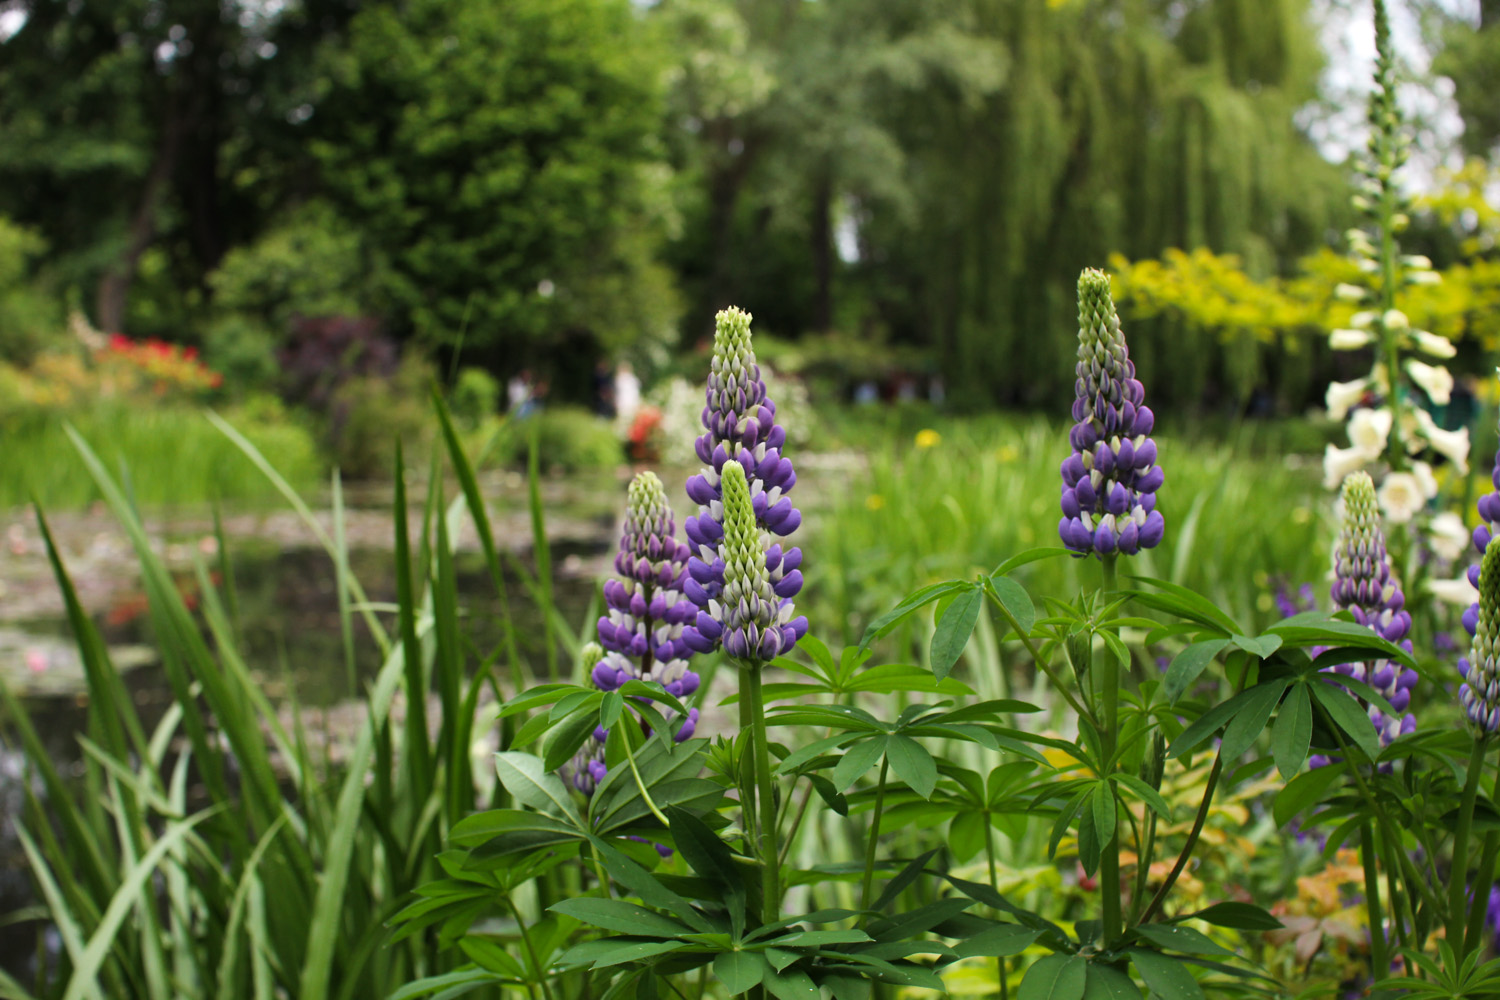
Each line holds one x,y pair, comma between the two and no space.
1236,515
174,455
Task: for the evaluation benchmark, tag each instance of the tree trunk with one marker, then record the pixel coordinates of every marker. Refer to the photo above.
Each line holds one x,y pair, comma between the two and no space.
823,250
114,287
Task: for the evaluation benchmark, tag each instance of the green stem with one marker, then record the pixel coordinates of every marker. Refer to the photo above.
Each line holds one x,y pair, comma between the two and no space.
746,762
1458,910
1041,662
1109,848
869,885
1401,922
1144,854
770,857
1192,842
641,785
1485,876
989,853
791,834
1380,962
536,962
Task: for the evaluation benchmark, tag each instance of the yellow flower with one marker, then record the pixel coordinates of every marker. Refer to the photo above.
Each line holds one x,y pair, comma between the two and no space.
874,501
928,438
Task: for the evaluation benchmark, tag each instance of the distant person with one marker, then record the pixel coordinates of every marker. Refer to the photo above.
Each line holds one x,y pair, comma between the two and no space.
604,390
518,391
627,392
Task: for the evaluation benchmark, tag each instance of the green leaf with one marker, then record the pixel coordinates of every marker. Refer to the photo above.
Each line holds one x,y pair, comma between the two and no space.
1262,645
1056,977
637,951
953,631
793,984
888,678
1251,719
1237,916
923,918
1105,982
619,916
1348,716
885,623
1183,939
856,761
998,942
1184,603
1166,978
1292,733
532,783
1145,793
1102,802
1206,725
1029,556
1305,790
1187,665
912,764
740,971
564,741
1011,596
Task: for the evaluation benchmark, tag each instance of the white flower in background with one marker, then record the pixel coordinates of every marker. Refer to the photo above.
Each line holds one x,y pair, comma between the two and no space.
1349,293
1459,592
1363,320
1449,536
1339,462
1430,343
1401,497
1349,340
1452,445
1369,430
1435,380
1425,479
1395,319
1342,396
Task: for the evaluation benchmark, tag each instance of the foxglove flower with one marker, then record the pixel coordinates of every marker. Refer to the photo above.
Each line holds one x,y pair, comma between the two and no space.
740,429
1110,480
1364,586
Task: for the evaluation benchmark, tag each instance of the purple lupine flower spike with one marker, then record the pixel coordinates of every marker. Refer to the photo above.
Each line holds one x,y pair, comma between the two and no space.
739,423
1480,691
1111,478
587,768
641,635
1489,514
1365,587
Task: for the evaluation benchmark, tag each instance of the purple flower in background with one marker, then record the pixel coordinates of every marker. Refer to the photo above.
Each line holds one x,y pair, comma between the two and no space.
1110,481
641,636
740,428
1480,692
1364,586
1489,513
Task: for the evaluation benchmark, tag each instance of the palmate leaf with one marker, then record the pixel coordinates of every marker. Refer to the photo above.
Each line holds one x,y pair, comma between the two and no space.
740,971
1187,665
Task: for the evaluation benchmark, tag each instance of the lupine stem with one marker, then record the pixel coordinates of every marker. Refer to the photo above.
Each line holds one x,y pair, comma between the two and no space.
771,876
1485,876
1457,911
1192,842
869,883
1109,840
1380,963
641,785
747,762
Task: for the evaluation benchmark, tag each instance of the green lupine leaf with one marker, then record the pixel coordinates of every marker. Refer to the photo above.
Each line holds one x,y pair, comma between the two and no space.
953,631
885,623
1292,733
1013,598
1056,977
1304,790
1251,720
1348,716
1183,939
912,764
1238,916
857,760
740,971
1187,665
998,942
619,916
1166,978
1105,982
532,783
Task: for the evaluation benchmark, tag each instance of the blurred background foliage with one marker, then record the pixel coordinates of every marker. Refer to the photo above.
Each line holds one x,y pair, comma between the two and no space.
890,186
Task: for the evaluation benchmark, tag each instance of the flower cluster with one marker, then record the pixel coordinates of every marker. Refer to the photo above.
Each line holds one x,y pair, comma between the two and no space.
641,637
1390,397
1480,692
165,366
1110,480
753,618
1364,586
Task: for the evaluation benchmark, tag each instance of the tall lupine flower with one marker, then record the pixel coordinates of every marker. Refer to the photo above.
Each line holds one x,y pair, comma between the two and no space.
587,768
740,430
1480,692
1110,480
1364,586
641,636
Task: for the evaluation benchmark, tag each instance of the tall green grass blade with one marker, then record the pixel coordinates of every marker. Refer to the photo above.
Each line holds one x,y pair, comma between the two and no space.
300,506
68,929
229,963
415,745
342,580
541,548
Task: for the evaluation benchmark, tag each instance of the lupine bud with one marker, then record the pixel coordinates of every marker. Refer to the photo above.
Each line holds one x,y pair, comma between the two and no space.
740,429
1110,480
748,618
1480,692
1364,586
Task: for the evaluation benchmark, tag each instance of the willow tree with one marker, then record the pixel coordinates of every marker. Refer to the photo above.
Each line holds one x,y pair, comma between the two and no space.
1126,125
